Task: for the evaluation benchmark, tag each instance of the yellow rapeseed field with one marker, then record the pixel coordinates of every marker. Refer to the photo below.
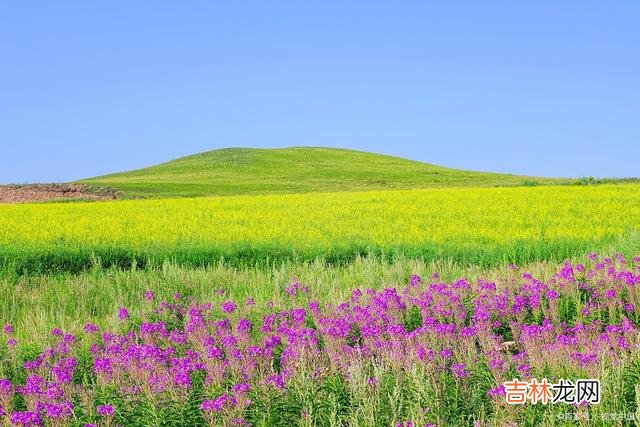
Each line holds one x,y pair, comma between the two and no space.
460,218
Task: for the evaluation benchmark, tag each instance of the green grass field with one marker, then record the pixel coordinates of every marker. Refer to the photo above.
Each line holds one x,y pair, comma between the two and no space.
295,170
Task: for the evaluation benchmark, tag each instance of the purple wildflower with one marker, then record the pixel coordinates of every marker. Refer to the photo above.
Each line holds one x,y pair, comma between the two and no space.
277,380
241,388
497,391
33,385
123,313
460,370
26,419
90,328
244,325
229,306
182,379
106,410
59,410
524,369
6,388
314,306
215,405
445,353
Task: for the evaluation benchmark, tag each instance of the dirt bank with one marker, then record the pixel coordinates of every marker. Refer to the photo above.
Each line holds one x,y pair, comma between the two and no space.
23,193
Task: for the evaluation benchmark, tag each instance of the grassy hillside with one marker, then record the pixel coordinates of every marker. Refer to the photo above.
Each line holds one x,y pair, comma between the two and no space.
293,170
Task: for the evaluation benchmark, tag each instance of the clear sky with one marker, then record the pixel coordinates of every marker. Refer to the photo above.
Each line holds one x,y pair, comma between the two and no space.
544,88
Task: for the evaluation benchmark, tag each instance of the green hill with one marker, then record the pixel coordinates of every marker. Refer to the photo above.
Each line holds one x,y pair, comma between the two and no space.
293,170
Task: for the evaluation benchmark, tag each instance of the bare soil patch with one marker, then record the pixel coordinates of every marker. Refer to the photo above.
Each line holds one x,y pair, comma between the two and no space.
24,193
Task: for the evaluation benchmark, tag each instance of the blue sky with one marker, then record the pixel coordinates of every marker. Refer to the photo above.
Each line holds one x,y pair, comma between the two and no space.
544,88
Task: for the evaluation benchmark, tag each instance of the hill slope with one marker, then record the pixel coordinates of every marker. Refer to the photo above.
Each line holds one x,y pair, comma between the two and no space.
292,170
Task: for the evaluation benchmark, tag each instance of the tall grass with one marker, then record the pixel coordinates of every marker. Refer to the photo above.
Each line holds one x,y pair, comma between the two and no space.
39,303
67,257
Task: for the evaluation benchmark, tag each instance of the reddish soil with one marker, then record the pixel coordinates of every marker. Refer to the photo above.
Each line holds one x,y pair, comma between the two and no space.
23,193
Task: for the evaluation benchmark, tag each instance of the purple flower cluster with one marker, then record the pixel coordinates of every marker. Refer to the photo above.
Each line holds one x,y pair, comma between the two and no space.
106,410
521,324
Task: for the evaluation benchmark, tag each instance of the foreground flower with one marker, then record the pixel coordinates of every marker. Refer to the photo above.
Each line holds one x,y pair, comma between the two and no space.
229,306
26,419
217,404
57,411
6,388
460,370
106,410
123,313
497,391
90,328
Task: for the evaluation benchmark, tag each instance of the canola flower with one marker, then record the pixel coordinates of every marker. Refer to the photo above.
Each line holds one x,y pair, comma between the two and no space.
429,354
485,225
